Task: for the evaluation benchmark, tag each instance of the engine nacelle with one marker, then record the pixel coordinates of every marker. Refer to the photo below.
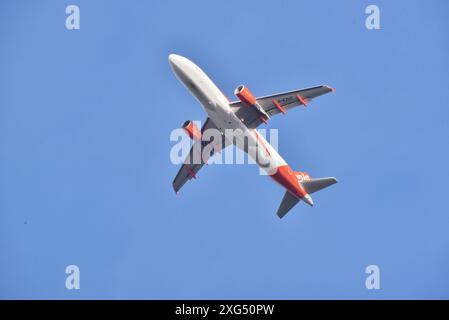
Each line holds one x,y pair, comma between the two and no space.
245,96
302,176
192,130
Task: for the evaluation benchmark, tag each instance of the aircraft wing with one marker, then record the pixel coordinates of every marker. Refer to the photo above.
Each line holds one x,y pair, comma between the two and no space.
277,103
194,162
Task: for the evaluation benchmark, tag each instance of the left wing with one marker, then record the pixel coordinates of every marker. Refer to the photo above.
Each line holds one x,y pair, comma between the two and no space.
194,160
277,103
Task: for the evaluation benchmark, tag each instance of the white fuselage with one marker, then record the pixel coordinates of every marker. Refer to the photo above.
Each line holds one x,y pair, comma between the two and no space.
216,105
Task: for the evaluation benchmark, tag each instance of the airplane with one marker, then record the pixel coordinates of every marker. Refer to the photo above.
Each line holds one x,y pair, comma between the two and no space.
244,116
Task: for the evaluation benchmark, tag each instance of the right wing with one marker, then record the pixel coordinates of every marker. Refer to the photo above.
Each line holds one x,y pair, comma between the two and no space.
194,160
277,103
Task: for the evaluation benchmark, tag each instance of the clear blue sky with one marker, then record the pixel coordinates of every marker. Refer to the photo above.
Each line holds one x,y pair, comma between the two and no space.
85,176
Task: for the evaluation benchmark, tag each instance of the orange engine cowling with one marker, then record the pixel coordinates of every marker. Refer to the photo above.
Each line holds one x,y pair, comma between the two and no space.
192,130
302,175
245,95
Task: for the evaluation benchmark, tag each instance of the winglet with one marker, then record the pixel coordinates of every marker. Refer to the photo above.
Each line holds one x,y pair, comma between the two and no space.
331,89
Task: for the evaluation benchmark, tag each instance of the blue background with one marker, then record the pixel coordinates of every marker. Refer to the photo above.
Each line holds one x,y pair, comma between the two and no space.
85,173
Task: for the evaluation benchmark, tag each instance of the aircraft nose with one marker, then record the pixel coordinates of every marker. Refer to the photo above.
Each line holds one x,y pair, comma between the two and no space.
174,59
178,64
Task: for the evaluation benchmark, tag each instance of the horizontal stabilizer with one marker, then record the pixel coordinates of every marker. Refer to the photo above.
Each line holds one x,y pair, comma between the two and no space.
310,186
288,202
314,185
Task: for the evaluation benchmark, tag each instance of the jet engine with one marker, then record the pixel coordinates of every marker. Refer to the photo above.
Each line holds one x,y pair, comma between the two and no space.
192,130
245,96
